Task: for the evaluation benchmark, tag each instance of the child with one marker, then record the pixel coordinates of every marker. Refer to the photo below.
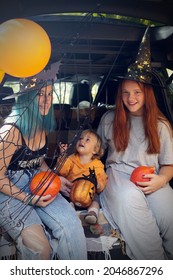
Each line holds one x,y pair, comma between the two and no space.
87,156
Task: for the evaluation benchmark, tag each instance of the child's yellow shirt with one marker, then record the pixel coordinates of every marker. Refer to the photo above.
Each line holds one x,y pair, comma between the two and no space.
73,169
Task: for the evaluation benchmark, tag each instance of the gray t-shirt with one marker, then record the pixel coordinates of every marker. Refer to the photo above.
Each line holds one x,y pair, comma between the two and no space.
135,154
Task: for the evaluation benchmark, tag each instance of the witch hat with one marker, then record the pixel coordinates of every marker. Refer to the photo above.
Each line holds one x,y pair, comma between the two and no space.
141,70
27,85
38,81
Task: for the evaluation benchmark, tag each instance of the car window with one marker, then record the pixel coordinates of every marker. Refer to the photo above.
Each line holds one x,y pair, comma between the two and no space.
63,91
170,89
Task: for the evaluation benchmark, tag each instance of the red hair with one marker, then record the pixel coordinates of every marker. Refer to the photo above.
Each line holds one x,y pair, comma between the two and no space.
121,125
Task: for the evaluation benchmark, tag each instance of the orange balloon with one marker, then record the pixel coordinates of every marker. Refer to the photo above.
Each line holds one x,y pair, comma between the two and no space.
44,183
1,75
25,48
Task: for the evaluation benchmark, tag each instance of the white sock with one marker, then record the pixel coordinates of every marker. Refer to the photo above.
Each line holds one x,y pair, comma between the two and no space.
95,210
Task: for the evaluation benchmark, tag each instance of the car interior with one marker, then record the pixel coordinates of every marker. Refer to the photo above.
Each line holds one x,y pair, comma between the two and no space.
93,43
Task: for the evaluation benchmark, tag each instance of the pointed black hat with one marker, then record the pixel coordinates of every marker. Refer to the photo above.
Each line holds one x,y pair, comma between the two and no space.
35,83
141,70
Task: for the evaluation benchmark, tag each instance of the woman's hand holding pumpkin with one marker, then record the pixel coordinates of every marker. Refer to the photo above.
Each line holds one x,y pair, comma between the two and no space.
37,200
155,182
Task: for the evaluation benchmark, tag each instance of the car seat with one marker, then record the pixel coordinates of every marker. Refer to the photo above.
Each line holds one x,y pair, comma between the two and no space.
80,92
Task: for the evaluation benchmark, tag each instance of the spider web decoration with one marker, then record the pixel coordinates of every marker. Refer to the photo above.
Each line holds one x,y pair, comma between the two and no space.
8,140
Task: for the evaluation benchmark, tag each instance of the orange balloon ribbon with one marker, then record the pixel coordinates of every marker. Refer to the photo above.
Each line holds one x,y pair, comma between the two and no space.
25,48
2,73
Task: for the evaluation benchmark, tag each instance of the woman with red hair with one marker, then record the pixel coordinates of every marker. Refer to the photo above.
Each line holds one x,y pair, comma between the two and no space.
136,133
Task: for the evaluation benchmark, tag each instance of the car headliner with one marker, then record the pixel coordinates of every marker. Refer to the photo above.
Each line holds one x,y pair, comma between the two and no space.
156,10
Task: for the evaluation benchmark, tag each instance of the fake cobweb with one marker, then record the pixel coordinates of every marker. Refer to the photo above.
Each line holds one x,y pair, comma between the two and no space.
54,159
52,152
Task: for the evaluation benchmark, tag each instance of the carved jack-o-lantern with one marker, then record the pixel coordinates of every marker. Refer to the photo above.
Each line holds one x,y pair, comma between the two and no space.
82,193
83,190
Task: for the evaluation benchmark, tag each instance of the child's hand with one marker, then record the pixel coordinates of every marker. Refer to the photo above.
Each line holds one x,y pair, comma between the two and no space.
65,186
62,147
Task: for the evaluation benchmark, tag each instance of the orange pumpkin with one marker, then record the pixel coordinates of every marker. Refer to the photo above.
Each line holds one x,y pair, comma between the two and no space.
44,183
82,193
139,172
